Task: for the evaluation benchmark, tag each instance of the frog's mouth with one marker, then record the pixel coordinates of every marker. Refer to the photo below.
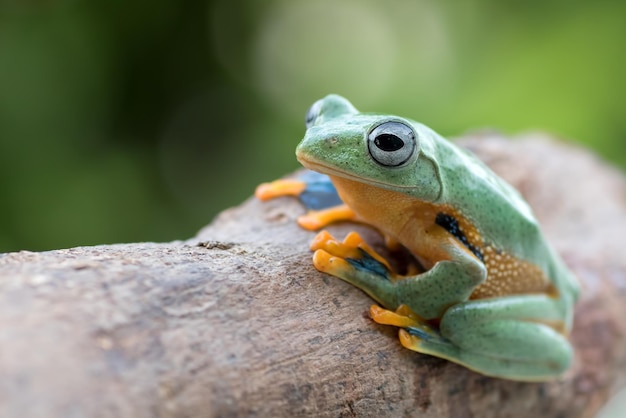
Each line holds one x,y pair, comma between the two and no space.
314,165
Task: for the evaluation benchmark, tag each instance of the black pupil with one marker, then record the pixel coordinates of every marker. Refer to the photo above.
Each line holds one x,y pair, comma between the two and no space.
388,142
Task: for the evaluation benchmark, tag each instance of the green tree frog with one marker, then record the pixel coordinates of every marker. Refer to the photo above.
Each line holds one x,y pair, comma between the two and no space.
490,293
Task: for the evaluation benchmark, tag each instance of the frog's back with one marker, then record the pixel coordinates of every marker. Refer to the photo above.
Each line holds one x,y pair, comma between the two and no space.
508,236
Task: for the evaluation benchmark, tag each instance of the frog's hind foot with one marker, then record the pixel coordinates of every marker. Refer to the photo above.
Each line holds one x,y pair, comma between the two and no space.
415,333
414,329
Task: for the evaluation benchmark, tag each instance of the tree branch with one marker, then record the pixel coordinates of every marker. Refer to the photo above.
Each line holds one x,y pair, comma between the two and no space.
244,325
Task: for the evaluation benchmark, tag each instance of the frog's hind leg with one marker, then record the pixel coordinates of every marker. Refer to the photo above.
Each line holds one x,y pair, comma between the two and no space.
415,333
517,338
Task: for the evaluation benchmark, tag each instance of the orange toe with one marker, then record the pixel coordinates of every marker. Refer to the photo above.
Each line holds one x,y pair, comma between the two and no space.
408,341
327,263
387,317
287,187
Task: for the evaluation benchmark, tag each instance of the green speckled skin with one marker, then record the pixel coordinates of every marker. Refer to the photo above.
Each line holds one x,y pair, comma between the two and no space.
498,336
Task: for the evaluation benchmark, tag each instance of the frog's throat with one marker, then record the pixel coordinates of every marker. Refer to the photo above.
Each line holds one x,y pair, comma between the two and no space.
331,171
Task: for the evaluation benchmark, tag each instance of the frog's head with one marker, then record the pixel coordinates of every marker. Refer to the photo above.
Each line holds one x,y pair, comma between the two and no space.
385,151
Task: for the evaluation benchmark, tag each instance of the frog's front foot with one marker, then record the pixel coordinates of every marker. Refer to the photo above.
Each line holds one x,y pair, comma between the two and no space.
278,188
318,195
348,257
357,263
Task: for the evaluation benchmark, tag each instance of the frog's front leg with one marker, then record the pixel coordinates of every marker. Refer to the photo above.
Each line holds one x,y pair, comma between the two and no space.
354,262
427,294
318,195
515,337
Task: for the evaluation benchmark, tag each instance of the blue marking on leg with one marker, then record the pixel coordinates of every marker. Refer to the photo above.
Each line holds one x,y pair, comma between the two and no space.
422,335
367,262
426,336
319,193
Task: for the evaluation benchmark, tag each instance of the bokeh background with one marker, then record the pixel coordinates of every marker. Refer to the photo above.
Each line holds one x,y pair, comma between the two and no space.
134,121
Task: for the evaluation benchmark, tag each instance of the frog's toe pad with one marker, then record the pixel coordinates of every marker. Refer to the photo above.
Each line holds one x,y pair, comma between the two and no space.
414,329
354,250
345,268
408,340
283,187
317,219
312,221
349,259
328,263
387,317
412,337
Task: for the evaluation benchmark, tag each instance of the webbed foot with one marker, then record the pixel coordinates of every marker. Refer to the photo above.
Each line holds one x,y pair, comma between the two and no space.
314,190
317,194
278,188
317,219
352,254
356,263
414,329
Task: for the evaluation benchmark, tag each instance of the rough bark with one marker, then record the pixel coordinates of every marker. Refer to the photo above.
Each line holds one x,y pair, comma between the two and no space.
237,322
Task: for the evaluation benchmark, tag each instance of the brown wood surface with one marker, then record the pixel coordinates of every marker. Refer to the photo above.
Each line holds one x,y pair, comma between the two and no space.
243,325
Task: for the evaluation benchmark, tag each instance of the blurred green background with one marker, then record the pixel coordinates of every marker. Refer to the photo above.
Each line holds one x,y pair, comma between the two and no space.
134,121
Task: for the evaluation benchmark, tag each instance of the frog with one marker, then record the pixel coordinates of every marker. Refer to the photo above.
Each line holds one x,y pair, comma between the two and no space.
486,290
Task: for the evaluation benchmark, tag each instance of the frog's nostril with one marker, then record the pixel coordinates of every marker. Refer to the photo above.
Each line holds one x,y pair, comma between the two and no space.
332,141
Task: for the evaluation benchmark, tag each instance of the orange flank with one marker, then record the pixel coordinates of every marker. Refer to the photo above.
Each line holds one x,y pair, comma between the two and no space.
278,188
414,224
508,275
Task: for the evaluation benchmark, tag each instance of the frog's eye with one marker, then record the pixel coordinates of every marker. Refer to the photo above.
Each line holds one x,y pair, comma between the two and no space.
391,143
313,113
